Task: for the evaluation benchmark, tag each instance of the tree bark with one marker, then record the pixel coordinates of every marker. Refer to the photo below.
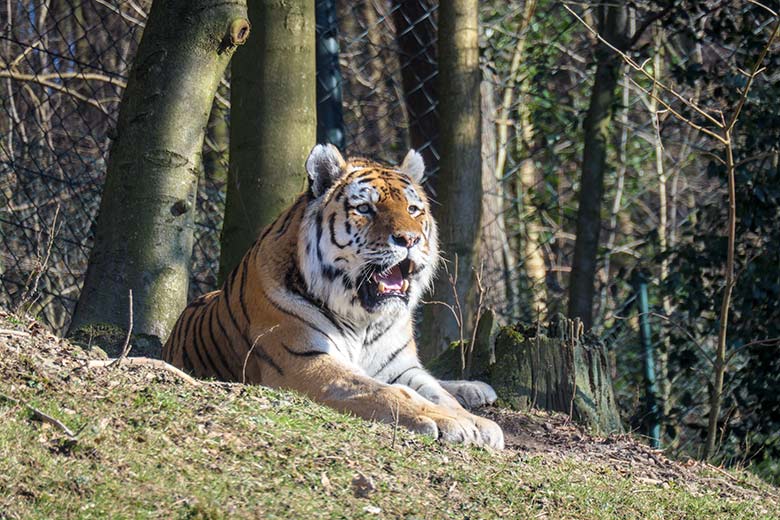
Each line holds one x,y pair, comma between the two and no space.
531,250
613,21
494,250
556,368
458,184
273,121
144,231
416,34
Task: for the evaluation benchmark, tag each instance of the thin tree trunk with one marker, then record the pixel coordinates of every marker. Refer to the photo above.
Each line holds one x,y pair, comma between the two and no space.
144,231
273,124
617,202
458,185
215,158
494,248
612,25
528,245
662,353
533,259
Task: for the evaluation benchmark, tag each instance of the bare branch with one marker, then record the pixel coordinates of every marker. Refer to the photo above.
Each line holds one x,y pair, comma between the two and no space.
756,70
54,86
147,362
86,76
126,347
634,65
40,416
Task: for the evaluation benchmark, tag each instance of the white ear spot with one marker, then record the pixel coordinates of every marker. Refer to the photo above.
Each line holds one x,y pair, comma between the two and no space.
413,166
324,166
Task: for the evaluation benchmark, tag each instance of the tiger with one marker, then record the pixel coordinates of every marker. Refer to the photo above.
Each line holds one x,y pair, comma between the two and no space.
322,303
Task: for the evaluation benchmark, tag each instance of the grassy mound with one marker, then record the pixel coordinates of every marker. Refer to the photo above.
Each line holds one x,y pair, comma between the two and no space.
148,444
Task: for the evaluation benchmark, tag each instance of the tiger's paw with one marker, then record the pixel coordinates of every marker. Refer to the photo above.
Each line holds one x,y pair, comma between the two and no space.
471,394
462,428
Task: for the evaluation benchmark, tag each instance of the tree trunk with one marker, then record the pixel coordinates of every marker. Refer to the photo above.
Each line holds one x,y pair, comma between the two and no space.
553,367
416,34
503,122
557,369
494,248
215,158
662,353
531,251
144,230
613,21
273,122
458,185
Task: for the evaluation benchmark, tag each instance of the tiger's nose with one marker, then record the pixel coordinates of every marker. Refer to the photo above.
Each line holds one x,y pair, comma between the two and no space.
407,239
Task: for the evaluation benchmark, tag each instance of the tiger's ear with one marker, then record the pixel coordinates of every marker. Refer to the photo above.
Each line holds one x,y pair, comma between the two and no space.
324,166
413,166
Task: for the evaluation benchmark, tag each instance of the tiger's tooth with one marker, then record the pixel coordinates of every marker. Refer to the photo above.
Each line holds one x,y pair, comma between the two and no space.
381,288
405,286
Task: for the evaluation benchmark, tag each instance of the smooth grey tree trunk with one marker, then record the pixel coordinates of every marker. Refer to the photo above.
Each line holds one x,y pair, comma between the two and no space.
613,23
458,185
273,124
144,231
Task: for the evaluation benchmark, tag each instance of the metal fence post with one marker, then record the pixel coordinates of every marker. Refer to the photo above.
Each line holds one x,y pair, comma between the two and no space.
651,388
330,120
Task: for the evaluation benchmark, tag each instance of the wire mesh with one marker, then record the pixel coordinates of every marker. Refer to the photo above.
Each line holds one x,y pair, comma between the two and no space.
65,64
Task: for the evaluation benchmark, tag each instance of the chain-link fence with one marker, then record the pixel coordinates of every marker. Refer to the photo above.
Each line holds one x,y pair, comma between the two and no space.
64,64
63,68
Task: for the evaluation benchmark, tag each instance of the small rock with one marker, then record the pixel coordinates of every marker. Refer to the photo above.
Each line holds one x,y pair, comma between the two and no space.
362,485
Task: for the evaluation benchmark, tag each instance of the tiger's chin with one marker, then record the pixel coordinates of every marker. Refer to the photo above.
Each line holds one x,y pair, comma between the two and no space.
385,288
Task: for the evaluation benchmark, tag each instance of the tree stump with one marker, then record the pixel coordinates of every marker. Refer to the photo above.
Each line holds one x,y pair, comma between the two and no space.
555,367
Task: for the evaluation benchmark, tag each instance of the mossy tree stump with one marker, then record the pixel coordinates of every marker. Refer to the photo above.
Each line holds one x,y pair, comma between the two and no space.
555,367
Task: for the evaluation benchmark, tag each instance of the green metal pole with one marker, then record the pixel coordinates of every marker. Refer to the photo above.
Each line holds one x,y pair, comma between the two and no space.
654,425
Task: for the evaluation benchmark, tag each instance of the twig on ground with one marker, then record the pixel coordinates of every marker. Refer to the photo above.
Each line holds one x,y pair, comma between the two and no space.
40,416
126,347
144,361
396,417
11,332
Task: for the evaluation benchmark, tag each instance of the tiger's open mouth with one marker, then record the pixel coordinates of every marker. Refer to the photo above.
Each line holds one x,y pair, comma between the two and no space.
382,283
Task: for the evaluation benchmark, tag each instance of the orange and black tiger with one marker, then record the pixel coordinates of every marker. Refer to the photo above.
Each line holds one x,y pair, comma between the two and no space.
322,304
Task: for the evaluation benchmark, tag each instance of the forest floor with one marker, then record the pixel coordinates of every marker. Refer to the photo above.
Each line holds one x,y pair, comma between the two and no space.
141,442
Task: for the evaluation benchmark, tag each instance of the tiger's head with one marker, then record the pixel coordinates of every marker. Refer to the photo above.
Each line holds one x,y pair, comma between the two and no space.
368,243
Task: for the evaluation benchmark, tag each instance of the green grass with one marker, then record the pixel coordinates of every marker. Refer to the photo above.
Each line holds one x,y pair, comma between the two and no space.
151,446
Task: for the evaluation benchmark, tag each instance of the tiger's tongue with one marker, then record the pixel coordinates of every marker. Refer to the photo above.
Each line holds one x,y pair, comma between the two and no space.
393,279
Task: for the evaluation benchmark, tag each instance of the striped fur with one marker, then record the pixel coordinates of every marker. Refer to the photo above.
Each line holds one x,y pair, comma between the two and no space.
304,310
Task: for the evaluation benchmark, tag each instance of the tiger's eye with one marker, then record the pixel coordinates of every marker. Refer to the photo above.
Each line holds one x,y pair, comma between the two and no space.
413,210
365,209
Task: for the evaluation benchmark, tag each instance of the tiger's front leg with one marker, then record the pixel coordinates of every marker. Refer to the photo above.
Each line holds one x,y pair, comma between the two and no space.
454,394
331,382
471,394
